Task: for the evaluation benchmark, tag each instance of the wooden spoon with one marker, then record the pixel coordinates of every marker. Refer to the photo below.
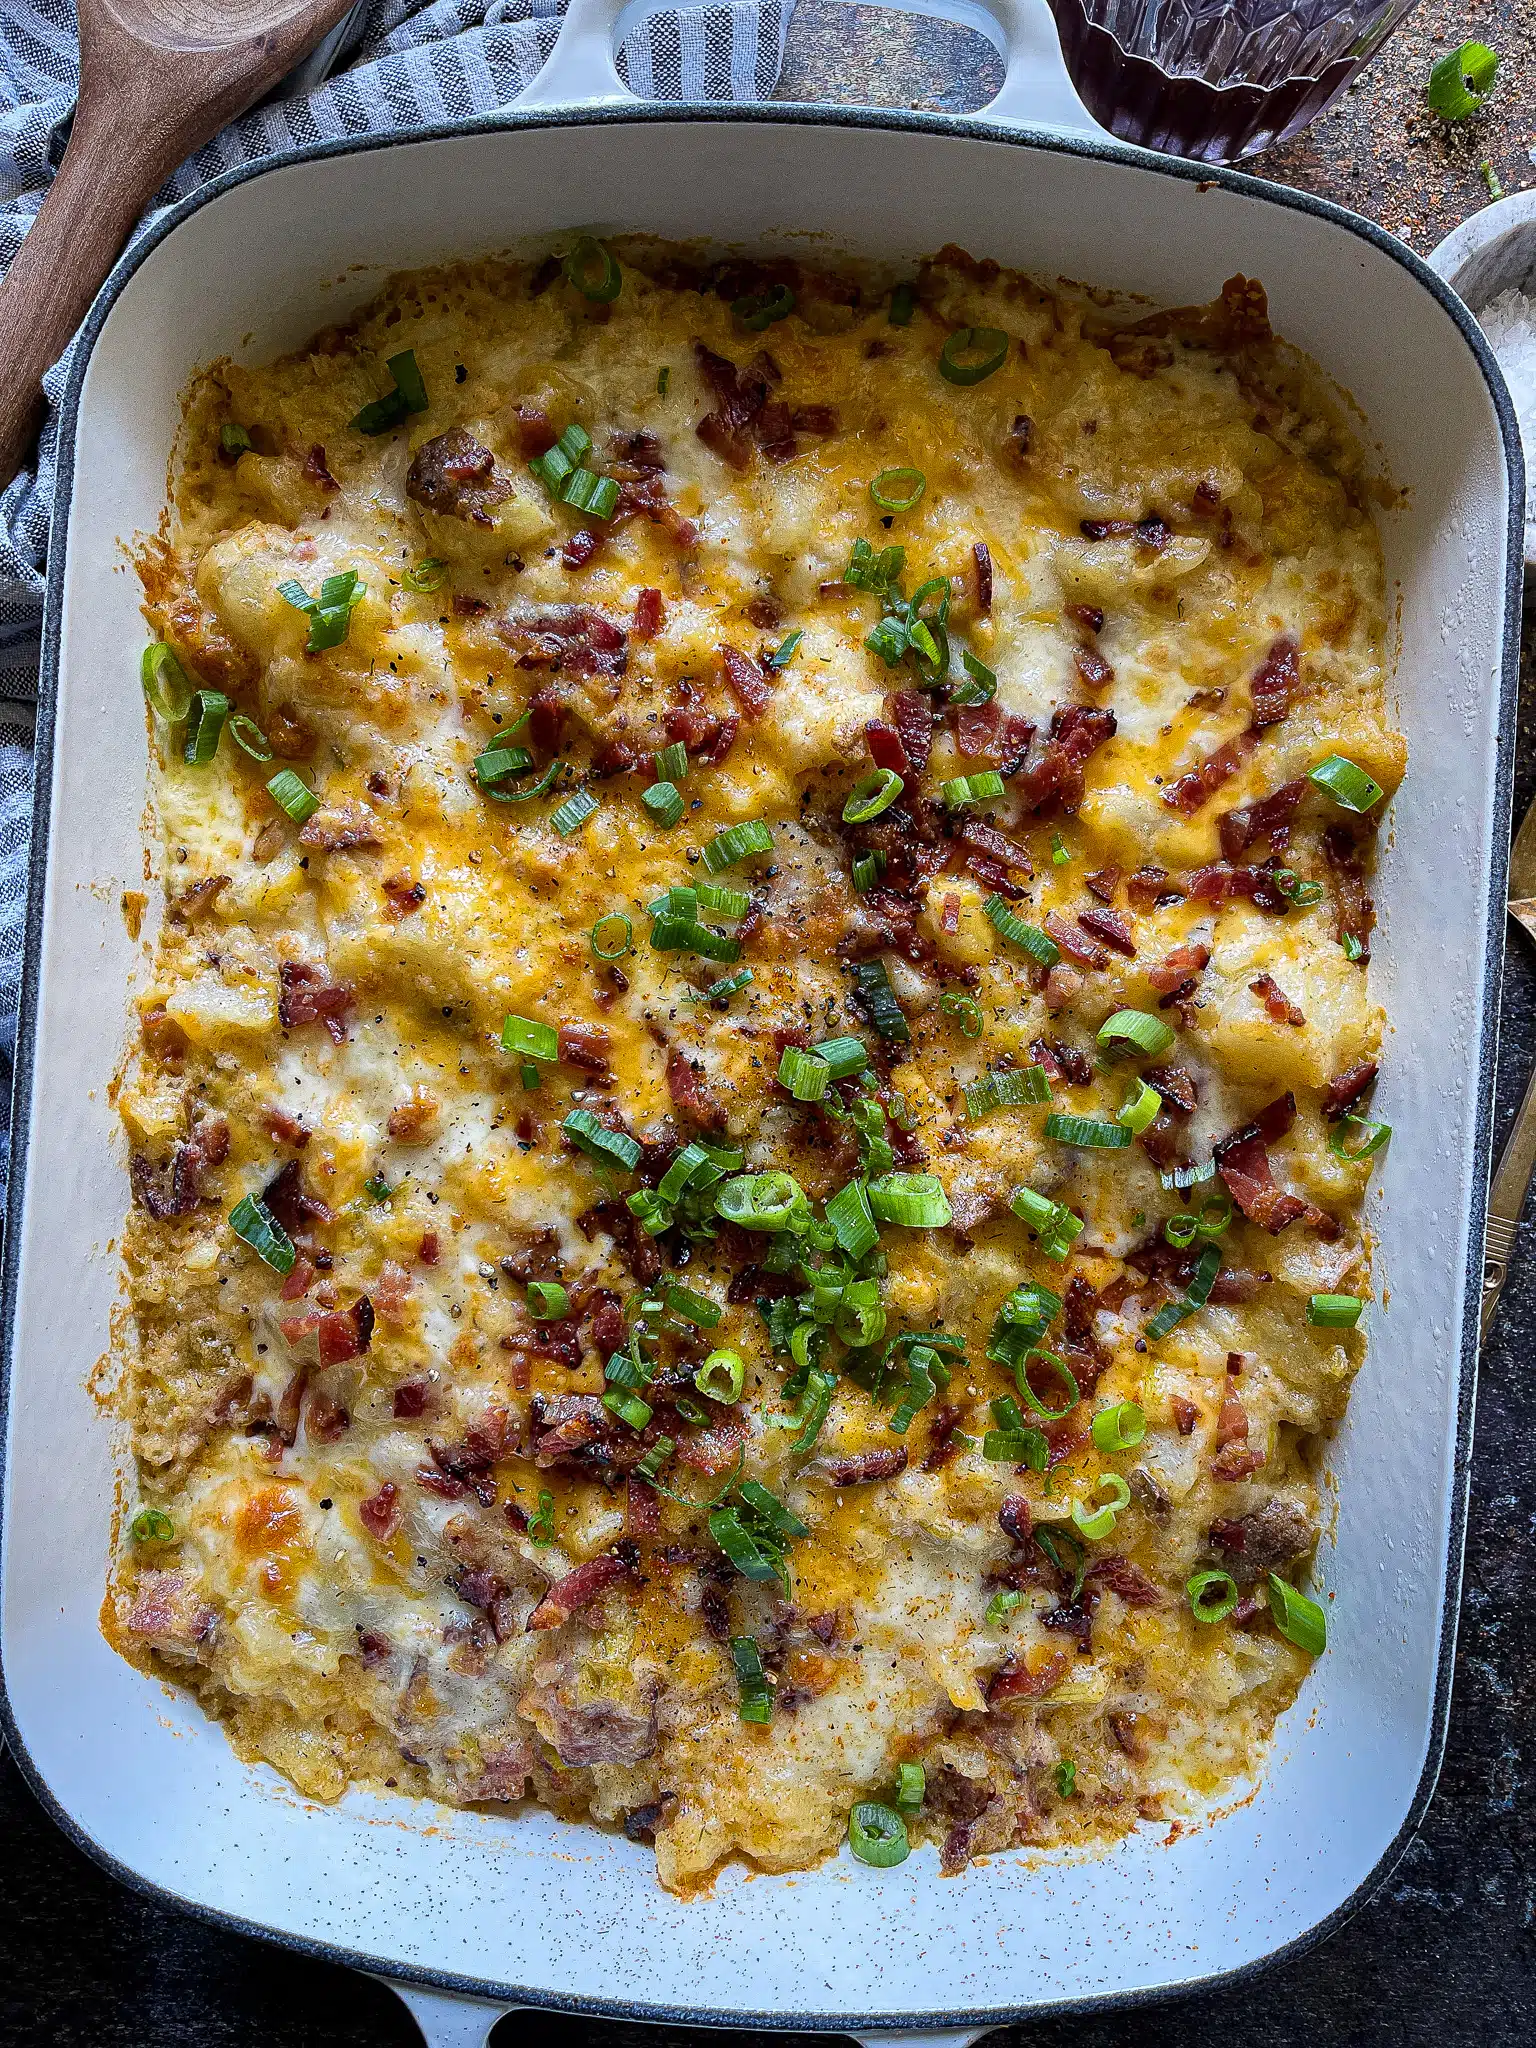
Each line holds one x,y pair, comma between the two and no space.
158,78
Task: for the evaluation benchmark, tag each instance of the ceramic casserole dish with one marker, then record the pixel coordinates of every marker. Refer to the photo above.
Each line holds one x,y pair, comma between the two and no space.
530,1911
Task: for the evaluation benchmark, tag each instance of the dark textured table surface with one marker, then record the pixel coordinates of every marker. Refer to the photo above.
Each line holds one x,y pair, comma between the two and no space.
1446,1953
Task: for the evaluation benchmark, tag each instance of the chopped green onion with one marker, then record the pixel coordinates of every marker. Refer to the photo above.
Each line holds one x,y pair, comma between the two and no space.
852,1220
598,1142
872,988
1086,1131
151,1526
330,614
879,574
205,721
971,789
1035,942
1062,1371
911,1787
1181,1231
784,653
672,763
429,574
1334,1311
1182,1177
663,378
1060,853
1300,1620
694,1308
1054,1224
903,302
612,936
916,1200
234,440
1001,1605
898,490
547,1301
499,761
871,795
878,1835
1299,894
538,787
761,1201
806,1077
253,1221
1212,1595
408,396
1023,1317
249,737
1459,83
598,495
664,800
1140,1107
1120,1428
1215,1214
982,686
721,1377
1006,1089
290,794
737,843
757,310
815,1406
541,1527
377,1188
526,1038
557,463
966,1010
628,1407
1066,1777
756,1702
1353,950
165,682
1097,1523
1013,1442
1373,1137
593,271
1140,1028
529,1074
1200,1286
649,1467
972,354
866,872
727,901
570,816
843,1056
1348,785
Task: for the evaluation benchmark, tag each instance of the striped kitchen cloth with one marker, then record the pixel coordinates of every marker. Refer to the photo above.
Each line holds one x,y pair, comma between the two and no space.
404,66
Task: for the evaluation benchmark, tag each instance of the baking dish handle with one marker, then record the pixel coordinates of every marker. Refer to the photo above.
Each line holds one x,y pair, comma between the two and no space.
1036,93
447,2021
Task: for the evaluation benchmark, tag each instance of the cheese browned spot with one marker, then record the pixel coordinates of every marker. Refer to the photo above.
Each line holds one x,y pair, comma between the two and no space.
408,1542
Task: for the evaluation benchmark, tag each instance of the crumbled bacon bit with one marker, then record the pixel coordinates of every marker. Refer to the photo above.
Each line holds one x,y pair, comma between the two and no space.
412,1398
586,1046
1088,616
885,748
1093,671
1275,681
402,896
1016,1681
1276,1001
1179,965
1085,950
578,1589
1269,819
981,555
949,915
1201,783
317,470
746,678
648,614
941,1434
1149,887
865,1467
691,1093
306,997
346,1334
1111,927
1346,1089
1104,882
1185,1415
580,548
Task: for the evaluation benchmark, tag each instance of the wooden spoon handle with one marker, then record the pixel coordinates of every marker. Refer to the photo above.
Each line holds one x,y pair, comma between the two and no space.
91,206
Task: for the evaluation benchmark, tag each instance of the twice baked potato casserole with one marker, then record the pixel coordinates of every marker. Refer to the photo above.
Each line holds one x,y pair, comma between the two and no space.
748,1113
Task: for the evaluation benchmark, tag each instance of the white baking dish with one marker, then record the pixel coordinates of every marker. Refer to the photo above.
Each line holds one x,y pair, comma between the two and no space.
530,1911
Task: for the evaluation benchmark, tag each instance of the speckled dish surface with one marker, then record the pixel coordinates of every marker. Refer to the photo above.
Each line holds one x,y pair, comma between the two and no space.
527,1913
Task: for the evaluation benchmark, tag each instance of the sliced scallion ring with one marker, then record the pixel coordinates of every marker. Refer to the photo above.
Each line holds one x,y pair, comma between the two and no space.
527,1039
761,1201
612,936
1347,784
915,1200
911,1787
1140,1107
737,843
852,1220
961,790
1063,1372
234,440
206,717
871,795
898,490
165,683
672,763
1120,1428
292,795
1300,1620
877,1835
547,1301
151,1526
429,574
593,271
721,1377
1037,944
1334,1311
1097,1523
981,686
972,354
1139,1028
540,786
1372,1137
844,1056
1212,1595
664,801
570,816
1086,1131
757,310
252,1221
806,1077
249,737
966,1011
598,1142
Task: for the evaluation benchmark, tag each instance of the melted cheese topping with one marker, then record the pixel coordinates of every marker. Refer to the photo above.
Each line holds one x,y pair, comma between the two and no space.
358,1466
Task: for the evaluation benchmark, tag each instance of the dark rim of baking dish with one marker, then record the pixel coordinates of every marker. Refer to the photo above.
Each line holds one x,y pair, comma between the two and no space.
975,127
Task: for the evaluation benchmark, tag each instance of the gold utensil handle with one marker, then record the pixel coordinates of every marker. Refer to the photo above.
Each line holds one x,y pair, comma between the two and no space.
1506,1199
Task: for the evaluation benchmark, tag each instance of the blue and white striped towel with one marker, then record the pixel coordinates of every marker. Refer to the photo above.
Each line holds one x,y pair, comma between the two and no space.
405,66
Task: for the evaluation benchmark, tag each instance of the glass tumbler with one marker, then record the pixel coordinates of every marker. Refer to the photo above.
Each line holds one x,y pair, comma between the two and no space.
1217,79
